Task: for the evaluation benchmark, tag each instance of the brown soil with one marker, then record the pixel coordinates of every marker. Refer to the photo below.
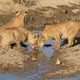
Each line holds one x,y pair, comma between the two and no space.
14,59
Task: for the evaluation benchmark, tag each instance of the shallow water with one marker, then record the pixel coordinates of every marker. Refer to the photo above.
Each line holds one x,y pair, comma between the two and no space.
33,74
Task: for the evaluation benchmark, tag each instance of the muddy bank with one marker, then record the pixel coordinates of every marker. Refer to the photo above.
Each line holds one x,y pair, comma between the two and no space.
14,59
69,63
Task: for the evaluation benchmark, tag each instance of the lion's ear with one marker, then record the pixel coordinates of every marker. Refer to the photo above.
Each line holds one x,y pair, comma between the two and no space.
16,12
26,11
43,38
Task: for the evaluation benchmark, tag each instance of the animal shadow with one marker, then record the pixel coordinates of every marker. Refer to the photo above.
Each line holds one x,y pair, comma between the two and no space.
78,41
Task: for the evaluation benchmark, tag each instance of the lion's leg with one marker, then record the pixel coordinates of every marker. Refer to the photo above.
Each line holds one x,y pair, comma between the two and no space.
17,39
19,45
57,42
71,38
70,42
75,41
4,43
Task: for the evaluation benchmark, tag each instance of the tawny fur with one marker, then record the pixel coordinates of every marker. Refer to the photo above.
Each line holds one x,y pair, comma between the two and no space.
17,35
32,38
65,30
17,21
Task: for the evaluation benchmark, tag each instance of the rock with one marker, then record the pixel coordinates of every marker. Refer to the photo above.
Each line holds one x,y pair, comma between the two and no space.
58,62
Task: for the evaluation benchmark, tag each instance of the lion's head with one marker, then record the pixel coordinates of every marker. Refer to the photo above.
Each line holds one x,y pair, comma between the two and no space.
32,39
41,41
21,11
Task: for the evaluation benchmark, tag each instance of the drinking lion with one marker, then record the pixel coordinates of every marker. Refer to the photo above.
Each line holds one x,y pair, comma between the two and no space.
65,30
17,35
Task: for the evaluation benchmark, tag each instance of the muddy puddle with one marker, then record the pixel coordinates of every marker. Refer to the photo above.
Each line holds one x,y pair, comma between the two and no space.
44,65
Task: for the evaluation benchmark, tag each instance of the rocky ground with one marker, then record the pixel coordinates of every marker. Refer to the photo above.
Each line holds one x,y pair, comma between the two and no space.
14,59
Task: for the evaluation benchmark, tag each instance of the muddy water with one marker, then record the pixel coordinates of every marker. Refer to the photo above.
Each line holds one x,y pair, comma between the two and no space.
44,65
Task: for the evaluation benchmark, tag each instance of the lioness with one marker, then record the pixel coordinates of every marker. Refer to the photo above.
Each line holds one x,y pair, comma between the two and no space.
17,21
17,35
65,30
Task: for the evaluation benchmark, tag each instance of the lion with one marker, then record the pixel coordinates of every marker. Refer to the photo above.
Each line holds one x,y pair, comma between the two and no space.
32,39
17,21
17,35
12,35
64,30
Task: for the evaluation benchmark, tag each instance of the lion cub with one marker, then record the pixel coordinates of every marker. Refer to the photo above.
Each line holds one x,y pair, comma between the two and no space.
32,39
12,35
17,21
65,30
17,35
